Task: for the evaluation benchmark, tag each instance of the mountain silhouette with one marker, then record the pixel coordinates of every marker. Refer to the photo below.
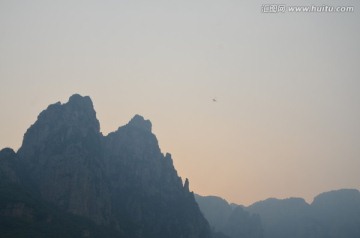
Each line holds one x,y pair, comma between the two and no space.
68,180
230,220
333,214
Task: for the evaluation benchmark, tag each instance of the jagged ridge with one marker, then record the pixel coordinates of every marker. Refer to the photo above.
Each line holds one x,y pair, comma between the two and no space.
121,180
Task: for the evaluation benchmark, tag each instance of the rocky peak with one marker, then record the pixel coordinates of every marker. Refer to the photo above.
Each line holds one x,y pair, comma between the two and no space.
140,123
81,102
169,159
186,185
8,166
61,122
136,138
78,110
7,153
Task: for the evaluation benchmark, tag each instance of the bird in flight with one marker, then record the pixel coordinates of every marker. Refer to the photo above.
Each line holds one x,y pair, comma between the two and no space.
214,100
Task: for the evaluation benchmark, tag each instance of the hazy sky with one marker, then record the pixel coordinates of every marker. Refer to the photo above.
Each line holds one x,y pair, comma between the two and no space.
287,117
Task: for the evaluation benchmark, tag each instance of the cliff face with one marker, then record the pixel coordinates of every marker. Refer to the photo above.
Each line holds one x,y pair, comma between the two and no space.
145,187
121,180
62,152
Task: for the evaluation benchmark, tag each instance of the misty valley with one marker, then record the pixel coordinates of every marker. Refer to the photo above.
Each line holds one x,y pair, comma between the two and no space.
69,180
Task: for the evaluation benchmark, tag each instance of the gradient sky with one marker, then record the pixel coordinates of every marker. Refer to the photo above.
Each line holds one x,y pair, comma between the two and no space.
287,118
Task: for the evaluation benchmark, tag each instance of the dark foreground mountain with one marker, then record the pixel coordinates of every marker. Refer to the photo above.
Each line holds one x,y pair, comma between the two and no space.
332,214
68,180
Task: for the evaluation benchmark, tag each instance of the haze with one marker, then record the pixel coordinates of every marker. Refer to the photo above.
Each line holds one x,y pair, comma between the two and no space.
286,120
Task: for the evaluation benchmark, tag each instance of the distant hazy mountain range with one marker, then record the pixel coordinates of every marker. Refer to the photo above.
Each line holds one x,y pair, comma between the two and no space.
68,180
334,214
